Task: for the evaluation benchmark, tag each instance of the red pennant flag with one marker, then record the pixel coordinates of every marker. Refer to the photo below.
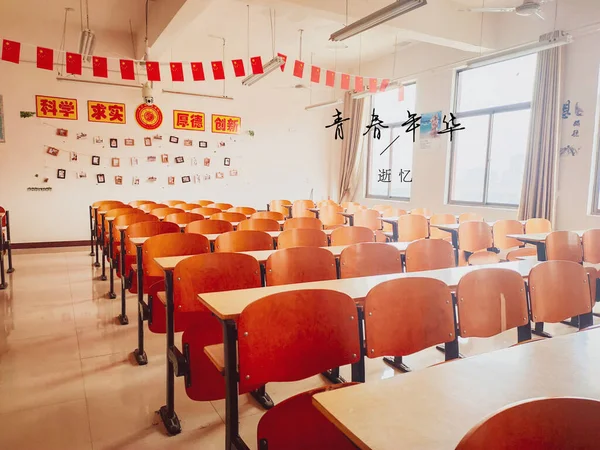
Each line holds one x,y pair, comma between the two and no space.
153,70
11,51
45,58
257,65
401,94
373,85
127,69
74,63
358,84
315,74
100,67
218,71
238,67
384,84
176,71
330,78
345,81
298,69
198,71
284,57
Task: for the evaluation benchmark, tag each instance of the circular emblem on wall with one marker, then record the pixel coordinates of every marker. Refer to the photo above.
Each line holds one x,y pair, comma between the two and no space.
149,117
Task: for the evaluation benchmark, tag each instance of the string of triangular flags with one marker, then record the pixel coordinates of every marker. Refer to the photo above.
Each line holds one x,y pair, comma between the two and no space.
11,52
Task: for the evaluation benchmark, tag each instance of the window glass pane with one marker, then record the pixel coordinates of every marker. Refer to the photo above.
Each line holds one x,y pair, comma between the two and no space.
402,155
507,158
469,159
504,83
390,109
379,162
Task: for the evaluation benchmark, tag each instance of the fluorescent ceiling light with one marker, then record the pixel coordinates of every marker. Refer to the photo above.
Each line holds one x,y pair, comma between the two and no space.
324,104
363,94
523,50
269,67
87,44
390,12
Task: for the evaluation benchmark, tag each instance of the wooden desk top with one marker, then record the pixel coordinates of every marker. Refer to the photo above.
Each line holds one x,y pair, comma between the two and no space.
121,227
455,226
229,304
137,241
537,237
110,219
435,407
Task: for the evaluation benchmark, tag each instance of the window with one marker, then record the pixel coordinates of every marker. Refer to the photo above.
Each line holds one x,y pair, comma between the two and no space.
393,112
493,103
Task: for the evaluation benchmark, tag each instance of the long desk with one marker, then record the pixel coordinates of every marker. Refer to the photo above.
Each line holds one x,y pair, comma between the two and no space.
435,407
539,240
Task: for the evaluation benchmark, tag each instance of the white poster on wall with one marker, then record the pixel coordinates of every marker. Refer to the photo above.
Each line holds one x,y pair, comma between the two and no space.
430,125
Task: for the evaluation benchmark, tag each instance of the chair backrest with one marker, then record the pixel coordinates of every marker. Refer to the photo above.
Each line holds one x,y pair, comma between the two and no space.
229,216
303,222
351,235
171,244
246,210
514,255
564,245
243,241
221,206
273,215
591,246
392,211
205,211
353,207
119,211
148,228
380,208
406,315
440,219
421,211
558,290
209,227
491,301
503,227
412,227
183,218
538,424
345,205
483,257
205,202
285,319
329,215
259,224
367,218
99,202
299,208
300,265
130,219
302,237
533,226
429,254
187,206
136,203
148,207
380,236
465,217
277,206
163,212
474,236
172,203
366,259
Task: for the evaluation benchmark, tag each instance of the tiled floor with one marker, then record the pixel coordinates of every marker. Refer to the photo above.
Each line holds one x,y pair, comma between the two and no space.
67,381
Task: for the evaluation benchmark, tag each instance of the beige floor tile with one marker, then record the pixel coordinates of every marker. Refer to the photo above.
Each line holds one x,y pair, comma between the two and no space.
33,353
30,321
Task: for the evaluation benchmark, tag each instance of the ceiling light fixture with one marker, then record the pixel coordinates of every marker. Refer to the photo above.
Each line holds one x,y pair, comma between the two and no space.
324,104
390,12
269,67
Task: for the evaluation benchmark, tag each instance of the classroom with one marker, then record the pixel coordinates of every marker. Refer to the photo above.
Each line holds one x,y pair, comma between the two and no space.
299,224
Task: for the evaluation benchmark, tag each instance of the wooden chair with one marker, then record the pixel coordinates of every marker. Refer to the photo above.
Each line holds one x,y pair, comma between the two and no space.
368,218
295,424
330,217
538,424
183,218
564,245
303,222
137,203
206,212
407,315
302,237
351,235
465,217
421,212
483,257
591,246
474,236
346,205
429,254
259,224
243,241
209,227
366,259
514,255
277,206
107,206
272,215
354,207
491,301
127,219
299,208
412,227
246,210
113,213
148,207
228,216
381,208
164,212
533,226
204,203
221,206
187,207
391,211
559,290
441,219
172,203
503,227
300,265
380,236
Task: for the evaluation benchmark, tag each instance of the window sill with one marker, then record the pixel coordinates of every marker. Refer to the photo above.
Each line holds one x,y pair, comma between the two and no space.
485,205
389,199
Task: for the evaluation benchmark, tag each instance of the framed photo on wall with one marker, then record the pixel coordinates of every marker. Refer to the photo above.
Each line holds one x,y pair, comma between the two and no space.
61,174
2,132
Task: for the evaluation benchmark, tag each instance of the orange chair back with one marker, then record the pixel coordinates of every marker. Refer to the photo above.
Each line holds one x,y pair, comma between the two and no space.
228,216
272,215
148,228
351,235
564,245
204,203
391,211
99,202
107,206
243,241
474,236
429,254
221,206
187,206
353,207
440,219
161,213
303,222
483,257
421,212
148,207
533,226
366,259
246,210
368,218
282,318
380,208
171,244
412,227
302,237
209,227
277,206
330,217
503,227
119,211
205,211
300,265
465,217
591,246
136,203
514,255
183,218
130,219
259,225
172,203
300,208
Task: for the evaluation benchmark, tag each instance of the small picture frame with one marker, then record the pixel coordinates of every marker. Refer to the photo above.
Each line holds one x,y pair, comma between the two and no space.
151,179
203,144
62,132
171,180
74,156
148,142
219,175
82,174
98,140
136,181
114,143
206,162
129,142
61,174
151,159
157,137
95,160
179,159
115,162
164,158
233,173
185,179
174,140
206,176
227,162
52,151
81,136
100,178
118,180
134,161
187,143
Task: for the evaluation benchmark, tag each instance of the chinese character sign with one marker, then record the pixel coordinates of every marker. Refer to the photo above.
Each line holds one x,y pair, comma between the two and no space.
55,107
188,120
106,112
226,124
